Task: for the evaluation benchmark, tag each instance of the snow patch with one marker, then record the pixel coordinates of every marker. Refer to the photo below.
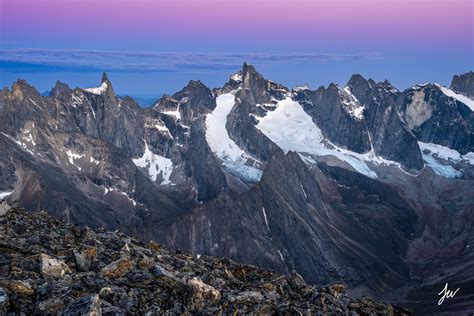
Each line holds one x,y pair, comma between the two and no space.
159,126
351,105
4,195
107,190
281,256
302,189
94,161
459,97
76,100
73,156
156,165
99,90
431,151
447,153
265,218
22,145
236,77
233,157
174,113
439,168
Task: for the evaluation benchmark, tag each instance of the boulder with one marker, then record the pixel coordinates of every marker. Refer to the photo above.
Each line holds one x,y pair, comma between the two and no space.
203,293
117,268
85,306
53,268
21,288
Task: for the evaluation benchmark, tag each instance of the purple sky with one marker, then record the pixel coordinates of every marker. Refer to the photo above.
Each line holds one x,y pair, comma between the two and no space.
149,47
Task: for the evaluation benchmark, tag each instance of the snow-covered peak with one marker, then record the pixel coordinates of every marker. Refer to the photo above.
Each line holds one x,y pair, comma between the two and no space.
350,103
99,90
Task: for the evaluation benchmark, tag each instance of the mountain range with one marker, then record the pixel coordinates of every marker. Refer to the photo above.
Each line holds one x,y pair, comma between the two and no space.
362,184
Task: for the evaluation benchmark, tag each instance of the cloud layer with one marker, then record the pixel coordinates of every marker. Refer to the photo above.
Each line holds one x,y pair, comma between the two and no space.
29,60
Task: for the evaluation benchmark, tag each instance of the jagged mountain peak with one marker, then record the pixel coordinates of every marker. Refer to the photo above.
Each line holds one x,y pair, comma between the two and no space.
248,69
22,88
104,77
388,86
196,93
194,84
356,79
22,84
333,87
60,88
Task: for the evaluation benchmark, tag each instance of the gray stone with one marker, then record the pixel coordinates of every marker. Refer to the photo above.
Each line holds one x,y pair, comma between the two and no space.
88,305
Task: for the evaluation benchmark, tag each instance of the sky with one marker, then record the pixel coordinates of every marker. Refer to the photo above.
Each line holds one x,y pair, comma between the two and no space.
151,47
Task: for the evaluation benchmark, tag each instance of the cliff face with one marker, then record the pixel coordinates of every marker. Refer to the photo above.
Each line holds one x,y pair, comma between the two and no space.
50,267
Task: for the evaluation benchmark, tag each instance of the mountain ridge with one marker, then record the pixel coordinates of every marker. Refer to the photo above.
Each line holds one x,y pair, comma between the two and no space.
290,168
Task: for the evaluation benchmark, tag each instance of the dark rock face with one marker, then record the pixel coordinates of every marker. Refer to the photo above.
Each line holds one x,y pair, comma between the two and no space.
203,165
195,100
243,131
390,137
326,108
258,90
436,118
464,84
127,276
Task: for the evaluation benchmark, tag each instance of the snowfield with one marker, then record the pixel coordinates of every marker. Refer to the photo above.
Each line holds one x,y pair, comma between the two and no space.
432,151
461,98
292,129
99,90
156,165
233,157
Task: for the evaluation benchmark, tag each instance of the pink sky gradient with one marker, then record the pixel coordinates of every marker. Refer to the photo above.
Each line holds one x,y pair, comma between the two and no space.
414,21
413,40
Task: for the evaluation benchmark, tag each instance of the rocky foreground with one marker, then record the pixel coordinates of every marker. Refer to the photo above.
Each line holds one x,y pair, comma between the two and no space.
49,267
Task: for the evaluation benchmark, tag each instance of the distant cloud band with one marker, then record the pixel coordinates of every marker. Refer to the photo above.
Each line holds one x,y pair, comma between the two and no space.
29,60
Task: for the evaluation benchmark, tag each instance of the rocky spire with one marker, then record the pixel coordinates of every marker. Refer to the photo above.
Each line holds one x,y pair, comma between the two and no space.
104,78
109,90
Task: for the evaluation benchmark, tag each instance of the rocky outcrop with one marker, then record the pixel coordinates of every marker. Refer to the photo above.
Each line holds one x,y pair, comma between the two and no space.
146,279
435,117
464,84
389,134
337,107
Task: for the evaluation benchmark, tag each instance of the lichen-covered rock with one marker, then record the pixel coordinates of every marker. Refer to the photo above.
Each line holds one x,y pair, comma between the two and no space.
21,288
117,268
102,278
203,293
53,268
